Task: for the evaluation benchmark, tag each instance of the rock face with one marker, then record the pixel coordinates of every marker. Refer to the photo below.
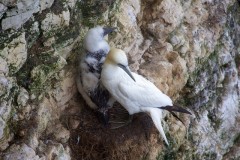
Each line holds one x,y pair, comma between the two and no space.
189,49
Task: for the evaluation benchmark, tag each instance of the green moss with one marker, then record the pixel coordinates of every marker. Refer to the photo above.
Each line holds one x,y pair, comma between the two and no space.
199,85
170,156
92,16
234,10
237,139
12,69
59,6
115,6
210,156
215,122
167,154
6,134
11,124
45,72
23,76
39,69
185,151
66,37
89,15
170,152
52,32
32,31
203,64
160,156
7,36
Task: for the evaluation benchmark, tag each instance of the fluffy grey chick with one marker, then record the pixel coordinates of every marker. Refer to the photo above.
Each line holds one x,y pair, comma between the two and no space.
89,70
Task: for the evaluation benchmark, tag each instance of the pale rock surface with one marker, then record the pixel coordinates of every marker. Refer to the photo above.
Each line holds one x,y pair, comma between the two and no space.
65,49
53,150
20,152
11,3
5,135
23,97
44,4
3,9
53,22
15,53
3,66
129,37
66,90
4,85
17,16
23,10
60,133
71,3
42,72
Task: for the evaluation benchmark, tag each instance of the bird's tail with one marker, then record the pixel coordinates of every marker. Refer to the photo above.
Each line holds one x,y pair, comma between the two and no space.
156,116
175,108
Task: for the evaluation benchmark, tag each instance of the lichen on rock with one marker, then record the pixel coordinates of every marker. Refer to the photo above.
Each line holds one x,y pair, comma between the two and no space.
54,22
15,53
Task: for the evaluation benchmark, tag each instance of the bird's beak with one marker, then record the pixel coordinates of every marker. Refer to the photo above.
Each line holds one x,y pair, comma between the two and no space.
126,70
107,30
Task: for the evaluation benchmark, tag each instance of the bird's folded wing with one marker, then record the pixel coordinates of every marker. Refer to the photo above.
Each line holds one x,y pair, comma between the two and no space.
143,92
84,94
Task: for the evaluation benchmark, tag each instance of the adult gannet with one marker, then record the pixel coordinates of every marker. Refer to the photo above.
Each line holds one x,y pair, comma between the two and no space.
134,92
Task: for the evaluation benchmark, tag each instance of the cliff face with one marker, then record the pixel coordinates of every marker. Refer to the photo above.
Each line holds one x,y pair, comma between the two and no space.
189,49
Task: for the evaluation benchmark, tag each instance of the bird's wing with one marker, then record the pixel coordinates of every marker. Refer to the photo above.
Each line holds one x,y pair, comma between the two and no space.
84,93
143,92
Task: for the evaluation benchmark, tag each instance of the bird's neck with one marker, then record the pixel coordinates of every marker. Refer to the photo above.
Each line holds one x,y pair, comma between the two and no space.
96,46
108,62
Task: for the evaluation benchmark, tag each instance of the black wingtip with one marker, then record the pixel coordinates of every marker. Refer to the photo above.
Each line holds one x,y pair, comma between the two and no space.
174,115
175,108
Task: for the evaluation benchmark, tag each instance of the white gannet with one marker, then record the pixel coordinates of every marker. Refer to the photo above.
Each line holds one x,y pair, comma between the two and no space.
96,49
134,92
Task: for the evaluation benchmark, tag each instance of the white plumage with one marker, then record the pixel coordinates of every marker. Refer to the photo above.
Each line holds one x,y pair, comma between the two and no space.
96,49
133,91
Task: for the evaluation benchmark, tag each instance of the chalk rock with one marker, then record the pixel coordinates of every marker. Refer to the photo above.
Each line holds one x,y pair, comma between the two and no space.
53,22
22,97
3,66
44,4
53,150
15,53
17,16
20,152
3,9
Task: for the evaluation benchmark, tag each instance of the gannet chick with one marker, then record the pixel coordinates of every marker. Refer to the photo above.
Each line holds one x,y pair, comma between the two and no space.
134,92
96,49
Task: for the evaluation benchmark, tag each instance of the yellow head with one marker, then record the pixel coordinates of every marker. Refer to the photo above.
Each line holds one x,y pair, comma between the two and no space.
118,58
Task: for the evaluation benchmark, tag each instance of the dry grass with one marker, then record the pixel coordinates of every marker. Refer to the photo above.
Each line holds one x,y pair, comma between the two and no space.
91,140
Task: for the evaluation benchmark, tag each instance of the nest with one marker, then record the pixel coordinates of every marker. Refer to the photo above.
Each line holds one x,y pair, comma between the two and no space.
92,140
